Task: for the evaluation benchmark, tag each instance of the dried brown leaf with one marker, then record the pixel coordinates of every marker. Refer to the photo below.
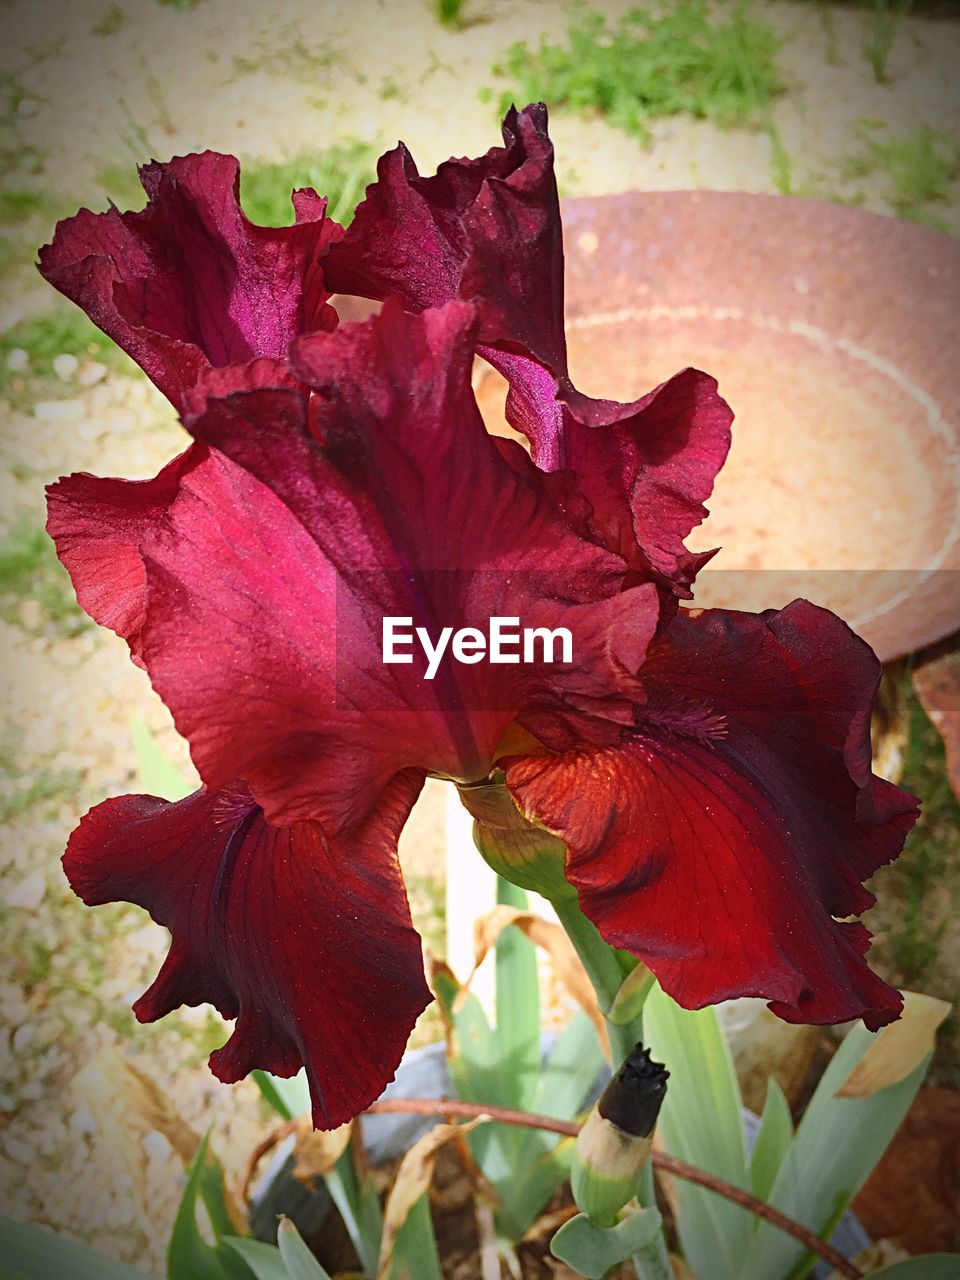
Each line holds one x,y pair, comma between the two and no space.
899,1047
883,1253
413,1179
316,1151
127,1105
553,939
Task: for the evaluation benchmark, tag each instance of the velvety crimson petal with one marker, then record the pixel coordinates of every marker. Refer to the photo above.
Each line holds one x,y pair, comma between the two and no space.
408,239
98,525
723,838
645,467
188,281
488,231
384,497
306,941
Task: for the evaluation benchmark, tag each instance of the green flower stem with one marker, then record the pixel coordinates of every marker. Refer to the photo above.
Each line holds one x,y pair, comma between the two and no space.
604,971
606,974
603,968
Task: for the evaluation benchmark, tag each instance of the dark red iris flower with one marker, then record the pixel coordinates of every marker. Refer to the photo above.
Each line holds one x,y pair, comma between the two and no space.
709,772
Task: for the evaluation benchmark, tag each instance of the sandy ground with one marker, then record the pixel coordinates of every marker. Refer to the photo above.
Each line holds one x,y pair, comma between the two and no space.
264,81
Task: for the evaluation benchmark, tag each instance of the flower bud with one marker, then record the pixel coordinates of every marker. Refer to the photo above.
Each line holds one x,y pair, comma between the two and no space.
519,851
614,1143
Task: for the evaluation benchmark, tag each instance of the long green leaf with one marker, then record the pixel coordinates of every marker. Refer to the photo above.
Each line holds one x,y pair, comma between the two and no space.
518,1006
926,1266
570,1071
189,1255
771,1143
541,1163
701,1122
476,1076
837,1145
289,1098
299,1261
474,1063
159,776
415,1255
526,1192
263,1259
358,1204
30,1252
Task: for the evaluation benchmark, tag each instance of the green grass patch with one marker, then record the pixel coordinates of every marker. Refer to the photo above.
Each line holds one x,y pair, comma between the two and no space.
17,203
112,19
119,184
917,168
340,172
450,13
30,571
45,336
677,60
931,856
285,54
885,19
44,787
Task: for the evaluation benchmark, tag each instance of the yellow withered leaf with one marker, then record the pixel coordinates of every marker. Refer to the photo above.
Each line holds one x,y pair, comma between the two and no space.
899,1048
413,1179
316,1151
553,939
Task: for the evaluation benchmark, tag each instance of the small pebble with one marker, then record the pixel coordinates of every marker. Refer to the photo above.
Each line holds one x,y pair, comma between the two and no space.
65,365
91,372
18,360
28,894
19,1151
156,1145
22,1037
58,410
82,1121
31,615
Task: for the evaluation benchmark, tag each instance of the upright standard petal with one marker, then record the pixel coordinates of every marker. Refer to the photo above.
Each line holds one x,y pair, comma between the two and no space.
724,840
189,282
383,496
488,231
305,941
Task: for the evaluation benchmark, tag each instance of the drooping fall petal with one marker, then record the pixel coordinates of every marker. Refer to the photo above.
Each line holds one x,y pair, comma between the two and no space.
189,282
488,231
305,940
98,525
271,575
726,838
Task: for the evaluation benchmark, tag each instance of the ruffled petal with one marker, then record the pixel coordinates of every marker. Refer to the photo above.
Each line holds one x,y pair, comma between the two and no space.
646,467
383,496
188,281
488,231
724,839
98,525
305,941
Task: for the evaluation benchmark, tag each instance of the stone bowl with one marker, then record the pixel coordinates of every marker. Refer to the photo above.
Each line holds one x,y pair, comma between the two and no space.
833,333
